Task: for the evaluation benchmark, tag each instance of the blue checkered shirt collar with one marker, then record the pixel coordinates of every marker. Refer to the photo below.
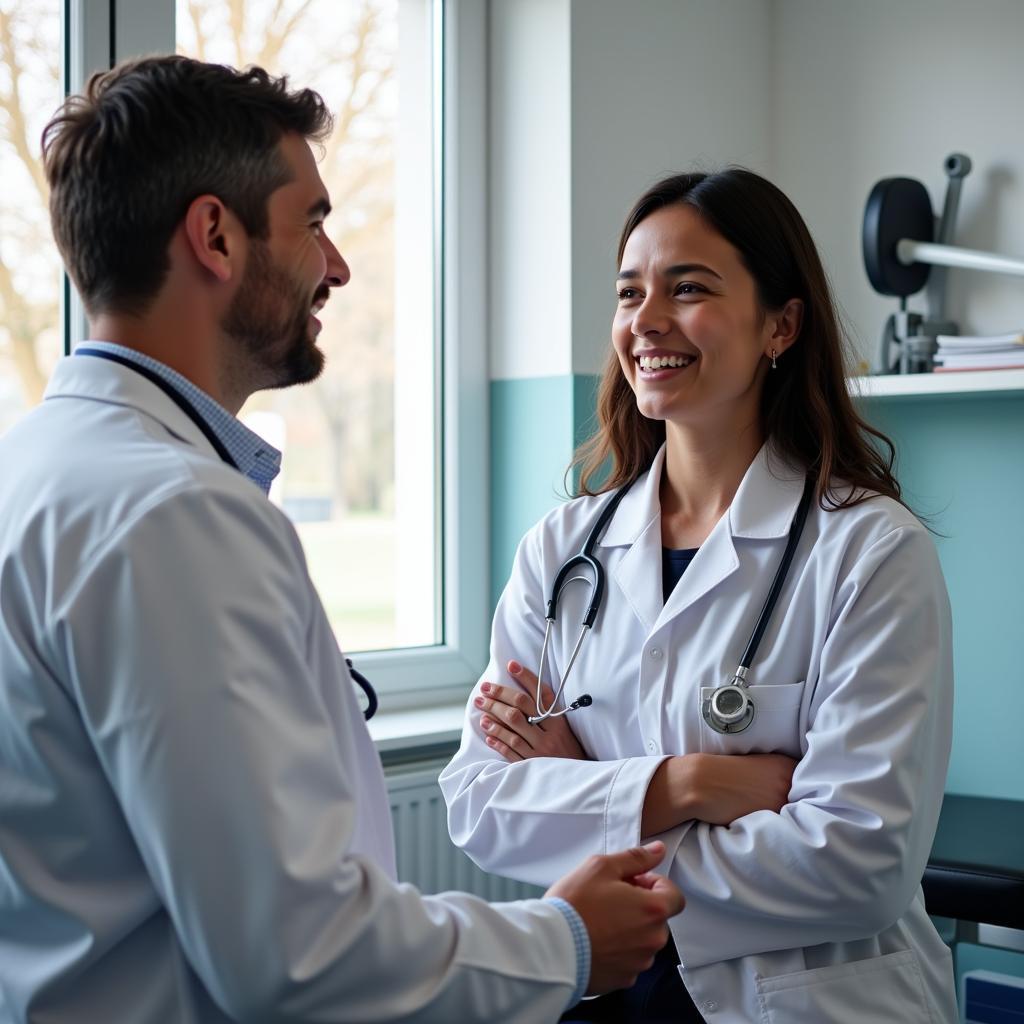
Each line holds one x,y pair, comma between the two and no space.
259,461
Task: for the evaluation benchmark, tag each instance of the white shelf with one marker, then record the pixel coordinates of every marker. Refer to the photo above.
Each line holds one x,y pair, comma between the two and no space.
924,385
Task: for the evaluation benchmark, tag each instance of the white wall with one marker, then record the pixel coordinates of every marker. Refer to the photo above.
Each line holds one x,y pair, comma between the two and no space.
870,89
658,86
592,101
530,188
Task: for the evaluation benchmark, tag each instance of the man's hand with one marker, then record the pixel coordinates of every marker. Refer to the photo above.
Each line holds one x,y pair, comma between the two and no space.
624,907
504,711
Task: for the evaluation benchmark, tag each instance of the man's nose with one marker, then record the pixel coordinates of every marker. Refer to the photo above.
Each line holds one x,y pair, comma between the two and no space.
338,272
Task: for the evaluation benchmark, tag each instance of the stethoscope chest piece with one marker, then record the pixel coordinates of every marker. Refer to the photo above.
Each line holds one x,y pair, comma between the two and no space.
727,709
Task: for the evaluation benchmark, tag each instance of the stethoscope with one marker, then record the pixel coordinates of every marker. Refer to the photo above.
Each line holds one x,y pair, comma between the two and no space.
728,708
218,446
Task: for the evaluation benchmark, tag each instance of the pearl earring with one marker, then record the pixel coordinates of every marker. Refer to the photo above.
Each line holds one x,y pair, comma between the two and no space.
775,365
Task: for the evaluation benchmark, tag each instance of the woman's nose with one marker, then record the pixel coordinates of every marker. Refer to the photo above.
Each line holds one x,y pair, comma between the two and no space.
650,319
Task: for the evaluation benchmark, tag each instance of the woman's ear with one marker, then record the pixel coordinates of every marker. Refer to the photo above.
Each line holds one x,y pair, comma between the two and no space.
785,325
214,237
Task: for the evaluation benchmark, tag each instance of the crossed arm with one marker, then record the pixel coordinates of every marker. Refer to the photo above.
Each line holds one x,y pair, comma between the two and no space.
716,788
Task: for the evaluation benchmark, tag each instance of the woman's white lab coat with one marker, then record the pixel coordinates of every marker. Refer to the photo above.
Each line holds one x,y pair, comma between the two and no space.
194,824
810,916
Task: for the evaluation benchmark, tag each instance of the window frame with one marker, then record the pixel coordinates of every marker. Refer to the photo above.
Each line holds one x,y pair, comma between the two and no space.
98,33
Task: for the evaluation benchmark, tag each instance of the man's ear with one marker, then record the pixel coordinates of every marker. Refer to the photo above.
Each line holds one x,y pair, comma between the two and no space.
215,237
787,322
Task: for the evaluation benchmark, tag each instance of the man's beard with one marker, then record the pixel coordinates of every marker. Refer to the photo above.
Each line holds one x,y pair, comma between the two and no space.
269,319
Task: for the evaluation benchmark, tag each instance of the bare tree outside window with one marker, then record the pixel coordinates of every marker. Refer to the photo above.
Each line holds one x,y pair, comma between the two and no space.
339,434
30,271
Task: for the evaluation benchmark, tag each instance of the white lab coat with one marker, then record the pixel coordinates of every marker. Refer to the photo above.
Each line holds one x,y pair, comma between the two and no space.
194,825
810,916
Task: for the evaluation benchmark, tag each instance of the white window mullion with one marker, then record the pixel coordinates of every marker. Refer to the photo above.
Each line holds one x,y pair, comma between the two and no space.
142,27
88,35
433,674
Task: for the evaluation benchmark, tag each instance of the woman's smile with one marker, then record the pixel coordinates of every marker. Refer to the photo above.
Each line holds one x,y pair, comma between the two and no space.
654,364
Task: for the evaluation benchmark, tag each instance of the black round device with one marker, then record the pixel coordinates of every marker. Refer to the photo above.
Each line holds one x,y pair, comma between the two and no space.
897,208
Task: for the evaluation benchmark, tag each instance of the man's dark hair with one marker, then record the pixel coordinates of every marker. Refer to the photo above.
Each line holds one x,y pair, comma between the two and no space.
126,158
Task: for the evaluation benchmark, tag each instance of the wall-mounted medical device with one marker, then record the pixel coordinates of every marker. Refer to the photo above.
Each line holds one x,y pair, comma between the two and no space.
906,246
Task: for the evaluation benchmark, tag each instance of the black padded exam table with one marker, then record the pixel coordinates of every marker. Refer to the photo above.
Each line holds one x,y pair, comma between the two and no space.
975,873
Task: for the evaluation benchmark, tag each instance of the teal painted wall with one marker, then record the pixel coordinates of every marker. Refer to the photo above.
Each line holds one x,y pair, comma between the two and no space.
535,424
961,461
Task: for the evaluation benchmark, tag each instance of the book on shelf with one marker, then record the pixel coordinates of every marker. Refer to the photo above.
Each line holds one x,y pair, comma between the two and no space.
981,358
984,361
979,352
980,343
974,369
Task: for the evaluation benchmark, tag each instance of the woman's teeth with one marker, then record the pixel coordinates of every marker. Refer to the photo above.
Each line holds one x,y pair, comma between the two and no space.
663,362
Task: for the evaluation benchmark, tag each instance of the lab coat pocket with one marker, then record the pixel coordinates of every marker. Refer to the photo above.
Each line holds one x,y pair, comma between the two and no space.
774,729
884,990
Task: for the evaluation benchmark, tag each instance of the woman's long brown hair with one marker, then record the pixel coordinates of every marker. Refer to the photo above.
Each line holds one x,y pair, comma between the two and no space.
806,410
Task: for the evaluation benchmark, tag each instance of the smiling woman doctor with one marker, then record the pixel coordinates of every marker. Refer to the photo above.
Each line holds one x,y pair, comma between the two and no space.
800,805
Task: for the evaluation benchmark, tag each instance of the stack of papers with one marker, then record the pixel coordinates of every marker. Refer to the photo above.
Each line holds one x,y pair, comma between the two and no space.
980,352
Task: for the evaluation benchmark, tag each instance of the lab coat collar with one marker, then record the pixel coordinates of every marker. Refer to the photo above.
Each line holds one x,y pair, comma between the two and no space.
104,381
767,498
638,509
763,507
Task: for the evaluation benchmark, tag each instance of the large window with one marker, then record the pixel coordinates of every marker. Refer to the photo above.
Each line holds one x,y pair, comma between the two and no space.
361,442
385,472
30,277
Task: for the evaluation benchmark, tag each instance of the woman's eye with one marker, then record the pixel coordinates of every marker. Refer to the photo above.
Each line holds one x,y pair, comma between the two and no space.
316,227
627,293
689,288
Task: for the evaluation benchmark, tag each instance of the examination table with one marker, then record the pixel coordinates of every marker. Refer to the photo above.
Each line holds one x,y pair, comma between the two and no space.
975,873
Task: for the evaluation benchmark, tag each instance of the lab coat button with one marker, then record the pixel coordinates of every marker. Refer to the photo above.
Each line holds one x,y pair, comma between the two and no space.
709,1006
652,746
656,653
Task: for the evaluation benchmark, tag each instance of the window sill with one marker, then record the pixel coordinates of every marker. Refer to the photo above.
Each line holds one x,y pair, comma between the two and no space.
419,732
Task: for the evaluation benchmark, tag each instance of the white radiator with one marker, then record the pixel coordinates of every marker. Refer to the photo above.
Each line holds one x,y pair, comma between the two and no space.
426,856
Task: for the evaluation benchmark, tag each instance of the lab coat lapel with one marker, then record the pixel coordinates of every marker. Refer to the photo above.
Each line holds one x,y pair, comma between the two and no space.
636,526
763,508
714,563
638,575
638,523
105,381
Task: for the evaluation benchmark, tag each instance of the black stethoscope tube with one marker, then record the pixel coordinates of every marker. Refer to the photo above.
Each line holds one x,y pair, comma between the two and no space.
587,559
218,446
795,530
172,393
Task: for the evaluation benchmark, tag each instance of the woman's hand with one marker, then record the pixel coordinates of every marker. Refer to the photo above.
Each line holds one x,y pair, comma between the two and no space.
503,718
729,786
716,788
